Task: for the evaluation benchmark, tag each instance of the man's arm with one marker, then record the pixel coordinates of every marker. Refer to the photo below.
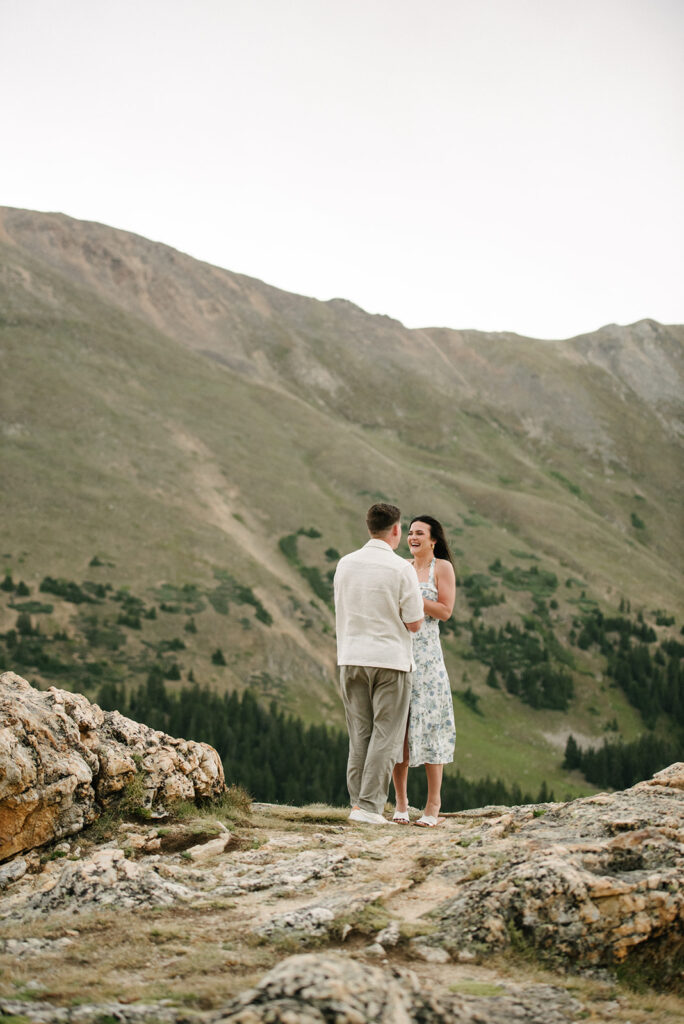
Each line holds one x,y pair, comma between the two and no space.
411,600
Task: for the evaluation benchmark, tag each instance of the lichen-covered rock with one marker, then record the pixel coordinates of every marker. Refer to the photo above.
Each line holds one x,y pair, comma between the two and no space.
106,879
62,759
590,880
316,988
292,873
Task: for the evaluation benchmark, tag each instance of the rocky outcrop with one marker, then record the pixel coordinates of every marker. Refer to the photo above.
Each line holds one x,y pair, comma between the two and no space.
386,924
315,988
62,759
591,880
107,879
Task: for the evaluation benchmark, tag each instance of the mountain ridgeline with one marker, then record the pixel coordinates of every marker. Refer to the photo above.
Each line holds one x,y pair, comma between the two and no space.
187,451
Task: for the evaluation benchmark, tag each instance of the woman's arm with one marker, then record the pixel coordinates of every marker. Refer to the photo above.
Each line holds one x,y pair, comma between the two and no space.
445,580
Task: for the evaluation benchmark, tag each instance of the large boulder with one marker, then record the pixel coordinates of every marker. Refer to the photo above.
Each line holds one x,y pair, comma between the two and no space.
63,759
313,988
592,881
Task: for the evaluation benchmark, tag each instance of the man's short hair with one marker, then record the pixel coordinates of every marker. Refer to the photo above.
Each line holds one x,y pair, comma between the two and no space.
381,517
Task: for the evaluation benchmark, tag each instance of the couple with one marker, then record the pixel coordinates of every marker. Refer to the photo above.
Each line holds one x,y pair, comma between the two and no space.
387,614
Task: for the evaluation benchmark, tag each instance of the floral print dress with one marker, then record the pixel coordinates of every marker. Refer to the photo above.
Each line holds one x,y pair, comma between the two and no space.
431,729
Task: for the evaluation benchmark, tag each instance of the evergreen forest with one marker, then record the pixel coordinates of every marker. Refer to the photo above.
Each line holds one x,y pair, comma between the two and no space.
115,639
275,757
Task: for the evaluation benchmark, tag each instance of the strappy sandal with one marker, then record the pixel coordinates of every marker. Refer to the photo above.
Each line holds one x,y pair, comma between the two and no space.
428,821
401,817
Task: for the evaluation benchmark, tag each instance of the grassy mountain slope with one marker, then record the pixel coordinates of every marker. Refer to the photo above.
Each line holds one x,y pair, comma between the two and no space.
179,421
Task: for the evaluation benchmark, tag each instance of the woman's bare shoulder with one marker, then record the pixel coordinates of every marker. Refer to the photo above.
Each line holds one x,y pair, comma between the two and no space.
444,567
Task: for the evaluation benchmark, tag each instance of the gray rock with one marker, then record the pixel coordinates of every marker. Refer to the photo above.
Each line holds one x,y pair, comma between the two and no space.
12,871
591,880
430,954
317,988
93,1013
106,879
291,873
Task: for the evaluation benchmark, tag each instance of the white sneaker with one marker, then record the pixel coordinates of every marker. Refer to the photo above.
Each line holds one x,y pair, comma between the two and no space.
367,817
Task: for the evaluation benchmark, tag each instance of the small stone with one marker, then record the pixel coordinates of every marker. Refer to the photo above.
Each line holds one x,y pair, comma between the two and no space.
430,954
13,871
375,949
134,842
204,851
390,935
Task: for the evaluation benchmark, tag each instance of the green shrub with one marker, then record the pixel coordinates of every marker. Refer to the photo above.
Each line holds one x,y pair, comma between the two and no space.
470,699
66,589
33,607
573,488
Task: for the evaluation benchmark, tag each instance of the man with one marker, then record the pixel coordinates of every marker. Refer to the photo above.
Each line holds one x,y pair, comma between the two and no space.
378,604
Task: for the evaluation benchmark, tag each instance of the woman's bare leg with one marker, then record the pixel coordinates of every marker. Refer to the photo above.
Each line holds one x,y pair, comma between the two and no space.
434,774
400,779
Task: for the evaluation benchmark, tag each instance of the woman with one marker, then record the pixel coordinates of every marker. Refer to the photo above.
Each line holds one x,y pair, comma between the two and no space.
431,734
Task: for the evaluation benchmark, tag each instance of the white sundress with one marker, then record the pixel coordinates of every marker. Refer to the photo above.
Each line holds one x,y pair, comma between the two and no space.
431,730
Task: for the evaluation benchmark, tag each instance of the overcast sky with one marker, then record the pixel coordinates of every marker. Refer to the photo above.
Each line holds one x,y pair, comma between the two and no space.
495,164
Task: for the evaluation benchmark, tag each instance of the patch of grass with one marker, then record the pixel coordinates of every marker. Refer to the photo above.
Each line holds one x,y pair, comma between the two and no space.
424,865
234,805
655,966
477,871
370,920
413,929
288,941
183,809
131,803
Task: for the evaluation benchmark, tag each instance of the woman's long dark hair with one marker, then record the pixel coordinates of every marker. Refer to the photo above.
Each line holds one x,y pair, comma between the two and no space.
437,534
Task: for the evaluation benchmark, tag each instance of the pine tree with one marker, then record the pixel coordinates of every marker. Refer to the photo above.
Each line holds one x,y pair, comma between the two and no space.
573,754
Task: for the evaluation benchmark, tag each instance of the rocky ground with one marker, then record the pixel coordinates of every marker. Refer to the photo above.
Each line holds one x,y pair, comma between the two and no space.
237,913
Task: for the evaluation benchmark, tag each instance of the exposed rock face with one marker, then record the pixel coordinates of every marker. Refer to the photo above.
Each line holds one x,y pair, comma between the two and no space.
62,759
107,879
315,988
590,880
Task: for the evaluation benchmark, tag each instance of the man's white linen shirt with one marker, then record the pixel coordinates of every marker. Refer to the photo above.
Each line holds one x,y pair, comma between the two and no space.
376,592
